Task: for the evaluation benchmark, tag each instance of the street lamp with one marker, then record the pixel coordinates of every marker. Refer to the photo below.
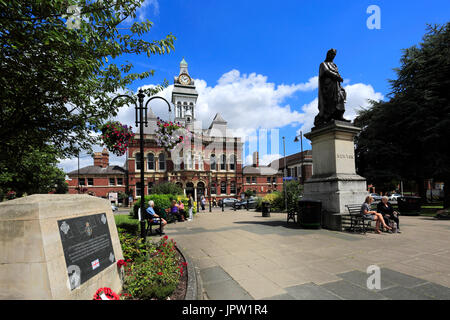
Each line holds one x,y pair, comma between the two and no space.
284,175
141,120
302,156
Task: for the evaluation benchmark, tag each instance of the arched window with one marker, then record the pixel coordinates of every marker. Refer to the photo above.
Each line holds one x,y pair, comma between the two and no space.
232,162
162,162
150,161
223,162
223,187
137,158
212,162
233,187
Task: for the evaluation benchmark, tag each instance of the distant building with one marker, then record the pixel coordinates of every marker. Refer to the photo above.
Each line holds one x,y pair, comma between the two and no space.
261,179
100,179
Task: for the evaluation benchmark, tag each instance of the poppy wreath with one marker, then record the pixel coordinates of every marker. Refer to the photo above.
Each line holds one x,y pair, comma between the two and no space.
111,295
166,136
116,137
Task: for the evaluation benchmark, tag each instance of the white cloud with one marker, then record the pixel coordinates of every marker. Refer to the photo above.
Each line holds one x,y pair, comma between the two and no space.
357,97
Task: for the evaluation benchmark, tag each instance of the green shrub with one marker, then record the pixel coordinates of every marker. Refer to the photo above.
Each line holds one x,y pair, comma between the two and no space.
167,188
275,199
162,202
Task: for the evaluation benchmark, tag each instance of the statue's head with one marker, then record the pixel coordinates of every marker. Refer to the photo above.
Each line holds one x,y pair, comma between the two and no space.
331,54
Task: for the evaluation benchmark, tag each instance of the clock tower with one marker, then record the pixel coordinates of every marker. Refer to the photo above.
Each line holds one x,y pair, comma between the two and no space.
184,97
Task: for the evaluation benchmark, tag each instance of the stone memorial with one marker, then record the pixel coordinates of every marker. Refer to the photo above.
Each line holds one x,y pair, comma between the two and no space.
334,180
58,247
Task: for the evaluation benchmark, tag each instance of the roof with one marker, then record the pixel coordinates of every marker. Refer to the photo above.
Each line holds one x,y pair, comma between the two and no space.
295,158
183,63
218,119
99,170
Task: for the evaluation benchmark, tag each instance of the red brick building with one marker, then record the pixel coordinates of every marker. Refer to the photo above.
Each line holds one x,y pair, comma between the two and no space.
100,179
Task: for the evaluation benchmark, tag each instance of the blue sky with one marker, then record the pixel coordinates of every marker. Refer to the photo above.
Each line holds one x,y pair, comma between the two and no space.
255,61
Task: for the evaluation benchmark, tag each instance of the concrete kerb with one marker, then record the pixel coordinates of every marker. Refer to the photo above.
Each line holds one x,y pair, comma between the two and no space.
194,283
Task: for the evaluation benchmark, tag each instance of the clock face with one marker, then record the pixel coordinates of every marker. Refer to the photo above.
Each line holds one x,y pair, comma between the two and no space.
185,79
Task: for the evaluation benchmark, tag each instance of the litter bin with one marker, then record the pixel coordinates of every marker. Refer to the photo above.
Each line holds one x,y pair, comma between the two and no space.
409,205
266,209
310,214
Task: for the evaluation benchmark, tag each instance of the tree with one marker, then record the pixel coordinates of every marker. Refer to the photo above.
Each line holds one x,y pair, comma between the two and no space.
407,136
58,80
167,188
293,192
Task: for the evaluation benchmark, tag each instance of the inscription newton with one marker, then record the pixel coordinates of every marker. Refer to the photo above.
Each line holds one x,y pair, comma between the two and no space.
344,156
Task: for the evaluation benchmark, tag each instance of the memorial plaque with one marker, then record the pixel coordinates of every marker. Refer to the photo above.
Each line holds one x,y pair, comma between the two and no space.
87,247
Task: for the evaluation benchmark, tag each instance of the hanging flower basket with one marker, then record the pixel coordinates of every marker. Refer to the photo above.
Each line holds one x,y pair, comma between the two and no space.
166,136
116,137
10,195
105,294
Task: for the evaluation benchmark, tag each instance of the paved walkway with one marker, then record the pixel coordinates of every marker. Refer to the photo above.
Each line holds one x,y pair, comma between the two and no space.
241,255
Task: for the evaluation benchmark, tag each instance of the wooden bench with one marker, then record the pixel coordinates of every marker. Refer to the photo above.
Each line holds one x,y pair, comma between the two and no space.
150,223
357,220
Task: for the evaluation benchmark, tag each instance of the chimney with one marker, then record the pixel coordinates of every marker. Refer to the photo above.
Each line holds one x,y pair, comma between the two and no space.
105,158
101,159
98,159
255,159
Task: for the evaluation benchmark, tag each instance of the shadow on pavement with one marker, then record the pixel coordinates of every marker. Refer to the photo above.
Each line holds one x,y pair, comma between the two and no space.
272,223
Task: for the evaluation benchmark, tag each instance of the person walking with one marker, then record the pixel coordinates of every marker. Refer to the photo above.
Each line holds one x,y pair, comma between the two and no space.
190,207
203,203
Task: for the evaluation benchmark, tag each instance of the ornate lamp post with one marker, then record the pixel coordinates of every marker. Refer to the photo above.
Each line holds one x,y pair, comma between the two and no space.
141,120
302,179
284,174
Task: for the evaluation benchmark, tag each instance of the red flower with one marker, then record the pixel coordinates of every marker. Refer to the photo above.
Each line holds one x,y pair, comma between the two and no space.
160,273
121,263
184,264
165,237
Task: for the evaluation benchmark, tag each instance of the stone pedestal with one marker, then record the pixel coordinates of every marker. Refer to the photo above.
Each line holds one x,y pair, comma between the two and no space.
39,234
334,180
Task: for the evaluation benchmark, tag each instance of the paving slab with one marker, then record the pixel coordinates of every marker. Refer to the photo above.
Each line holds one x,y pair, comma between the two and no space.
401,293
227,290
311,291
284,296
433,290
347,290
401,279
213,274
359,278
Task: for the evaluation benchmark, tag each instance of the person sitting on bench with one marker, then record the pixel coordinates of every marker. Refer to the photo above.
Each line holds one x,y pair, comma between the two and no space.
154,218
175,211
386,209
373,215
181,209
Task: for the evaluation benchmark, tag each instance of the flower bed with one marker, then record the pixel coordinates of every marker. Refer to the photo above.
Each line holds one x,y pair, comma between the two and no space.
151,270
